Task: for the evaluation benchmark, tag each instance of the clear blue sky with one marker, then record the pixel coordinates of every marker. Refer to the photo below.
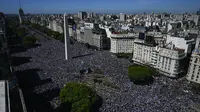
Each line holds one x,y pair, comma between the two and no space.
112,6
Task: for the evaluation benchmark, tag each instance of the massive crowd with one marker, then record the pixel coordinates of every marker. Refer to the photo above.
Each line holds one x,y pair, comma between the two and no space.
164,95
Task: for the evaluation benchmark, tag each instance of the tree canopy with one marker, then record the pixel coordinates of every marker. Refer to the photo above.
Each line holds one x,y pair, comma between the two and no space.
140,73
29,41
21,32
81,97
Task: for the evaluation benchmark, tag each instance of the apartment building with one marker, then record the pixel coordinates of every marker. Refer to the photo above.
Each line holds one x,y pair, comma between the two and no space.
166,59
194,66
100,39
182,42
142,52
169,60
5,69
122,43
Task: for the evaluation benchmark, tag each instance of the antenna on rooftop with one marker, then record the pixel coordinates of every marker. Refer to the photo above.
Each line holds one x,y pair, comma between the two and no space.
20,3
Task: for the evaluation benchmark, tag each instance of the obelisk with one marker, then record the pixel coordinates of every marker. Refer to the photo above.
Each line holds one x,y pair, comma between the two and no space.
67,39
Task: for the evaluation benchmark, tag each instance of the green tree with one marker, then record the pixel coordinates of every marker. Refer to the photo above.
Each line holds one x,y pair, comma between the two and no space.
11,26
61,37
21,32
138,73
26,22
82,97
29,41
36,26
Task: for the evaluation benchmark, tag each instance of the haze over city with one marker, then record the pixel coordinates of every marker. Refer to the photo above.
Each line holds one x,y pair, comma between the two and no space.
101,6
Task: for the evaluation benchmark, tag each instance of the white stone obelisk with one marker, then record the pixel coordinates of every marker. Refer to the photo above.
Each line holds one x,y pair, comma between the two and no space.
67,39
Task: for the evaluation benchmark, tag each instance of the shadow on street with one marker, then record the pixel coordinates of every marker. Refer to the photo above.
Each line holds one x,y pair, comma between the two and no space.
82,55
28,79
19,60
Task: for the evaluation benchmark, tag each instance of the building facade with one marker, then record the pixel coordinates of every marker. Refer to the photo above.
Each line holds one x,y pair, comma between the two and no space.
122,17
167,60
181,42
88,36
194,66
82,15
142,52
122,43
55,26
100,39
5,69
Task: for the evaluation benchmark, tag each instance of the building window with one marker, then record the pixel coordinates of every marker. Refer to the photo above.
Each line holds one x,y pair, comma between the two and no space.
196,60
194,67
192,77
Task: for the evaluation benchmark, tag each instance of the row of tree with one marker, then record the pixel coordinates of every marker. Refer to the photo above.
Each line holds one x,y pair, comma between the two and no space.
48,32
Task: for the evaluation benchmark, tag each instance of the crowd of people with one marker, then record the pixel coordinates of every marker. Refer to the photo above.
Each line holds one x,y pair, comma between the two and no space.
164,94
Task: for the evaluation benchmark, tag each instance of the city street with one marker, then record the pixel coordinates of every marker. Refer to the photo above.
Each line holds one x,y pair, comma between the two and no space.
46,71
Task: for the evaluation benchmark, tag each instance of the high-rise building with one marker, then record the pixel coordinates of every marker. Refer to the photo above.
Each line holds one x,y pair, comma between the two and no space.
88,38
196,19
67,39
122,17
194,66
82,15
21,13
5,69
100,39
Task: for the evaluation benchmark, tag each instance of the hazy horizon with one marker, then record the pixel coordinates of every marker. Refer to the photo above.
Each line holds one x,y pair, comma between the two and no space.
101,6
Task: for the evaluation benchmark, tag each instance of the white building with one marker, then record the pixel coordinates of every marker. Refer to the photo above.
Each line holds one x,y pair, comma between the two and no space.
194,66
89,25
181,42
122,43
142,52
194,18
122,17
159,38
168,61
197,43
4,96
80,35
55,26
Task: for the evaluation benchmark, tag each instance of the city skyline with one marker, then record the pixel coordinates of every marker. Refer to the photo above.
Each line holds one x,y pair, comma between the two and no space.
102,6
